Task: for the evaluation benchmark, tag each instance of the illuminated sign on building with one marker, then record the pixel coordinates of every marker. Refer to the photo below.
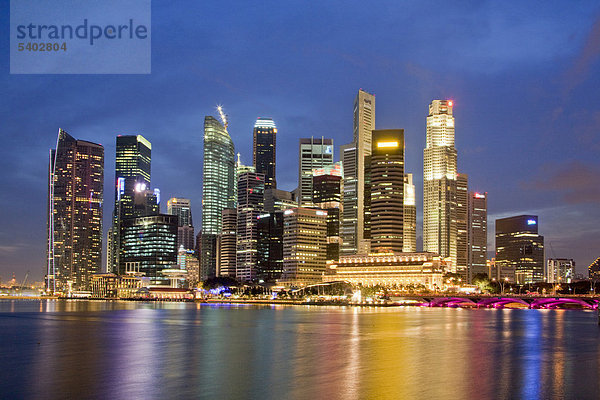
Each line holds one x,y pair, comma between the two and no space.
120,187
387,144
531,222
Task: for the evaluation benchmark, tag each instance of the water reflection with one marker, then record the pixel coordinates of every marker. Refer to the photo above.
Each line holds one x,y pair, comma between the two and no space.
79,349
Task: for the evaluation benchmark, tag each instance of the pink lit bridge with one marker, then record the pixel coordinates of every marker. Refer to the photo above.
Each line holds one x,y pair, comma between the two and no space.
501,302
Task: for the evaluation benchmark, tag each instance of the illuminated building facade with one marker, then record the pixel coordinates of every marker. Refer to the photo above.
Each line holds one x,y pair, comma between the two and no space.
251,189
182,209
270,246
462,226
313,153
132,175
188,261
227,244
439,182
277,199
327,195
218,189
355,221
520,248
477,248
409,235
304,246
149,242
74,231
390,270
387,190
349,199
594,270
185,230
264,155
560,270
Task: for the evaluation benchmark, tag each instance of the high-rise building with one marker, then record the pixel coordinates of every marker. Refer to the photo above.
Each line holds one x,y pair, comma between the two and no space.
304,246
251,188
218,189
409,236
387,190
327,195
270,246
188,261
148,246
520,248
185,229
560,270
594,270
462,226
355,219
264,155
132,175
75,195
349,199
477,226
227,244
439,183
182,208
313,153
277,199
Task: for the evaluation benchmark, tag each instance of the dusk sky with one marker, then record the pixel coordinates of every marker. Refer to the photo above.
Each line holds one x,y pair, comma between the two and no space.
524,77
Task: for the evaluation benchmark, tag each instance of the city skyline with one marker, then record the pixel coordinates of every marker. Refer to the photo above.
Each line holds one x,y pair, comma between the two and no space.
525,131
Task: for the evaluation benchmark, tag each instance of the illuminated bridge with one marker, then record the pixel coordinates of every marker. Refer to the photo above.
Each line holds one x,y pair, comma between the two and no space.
501,302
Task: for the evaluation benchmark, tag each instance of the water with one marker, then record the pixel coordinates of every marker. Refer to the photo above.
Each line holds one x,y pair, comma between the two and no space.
131,350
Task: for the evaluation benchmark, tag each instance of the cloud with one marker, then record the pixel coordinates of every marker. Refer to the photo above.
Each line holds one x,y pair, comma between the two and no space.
579,71
10,249
575,182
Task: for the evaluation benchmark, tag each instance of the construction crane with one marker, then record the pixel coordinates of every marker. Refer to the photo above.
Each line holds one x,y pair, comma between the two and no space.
25,280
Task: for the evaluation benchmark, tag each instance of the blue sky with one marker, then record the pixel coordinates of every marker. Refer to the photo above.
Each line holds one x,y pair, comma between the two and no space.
523,76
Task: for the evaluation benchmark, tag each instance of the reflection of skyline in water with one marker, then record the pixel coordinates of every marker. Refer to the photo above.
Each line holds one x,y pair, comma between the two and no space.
80,349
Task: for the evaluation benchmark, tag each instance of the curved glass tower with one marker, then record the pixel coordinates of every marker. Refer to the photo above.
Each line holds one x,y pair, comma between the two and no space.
218,189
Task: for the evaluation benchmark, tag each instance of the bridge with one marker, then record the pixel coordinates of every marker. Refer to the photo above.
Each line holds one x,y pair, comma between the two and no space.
500,302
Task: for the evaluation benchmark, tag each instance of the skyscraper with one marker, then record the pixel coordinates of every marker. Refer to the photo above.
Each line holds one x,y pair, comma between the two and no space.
409,236
270,246
519,248
185,229
327,195
264,155
182,208
304,245
277,199
218,189
75,195
560,270
387,190
594,270
462,223
477,234
353,157
349,199
132,174
148,246
251,189
227,244
313,153
439,182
